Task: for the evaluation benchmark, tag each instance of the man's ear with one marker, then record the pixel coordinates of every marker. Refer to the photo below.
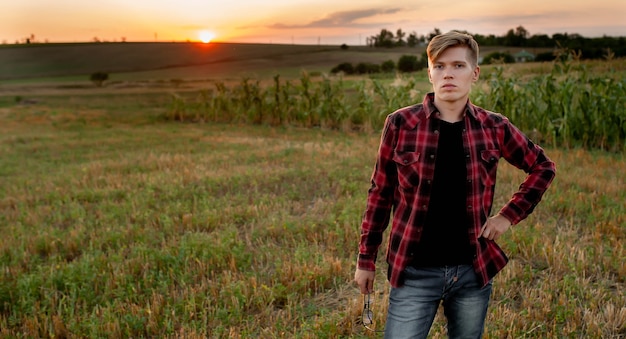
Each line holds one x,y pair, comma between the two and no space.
430,79
476,74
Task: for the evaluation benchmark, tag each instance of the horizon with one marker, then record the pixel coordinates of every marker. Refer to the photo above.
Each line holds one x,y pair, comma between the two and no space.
298,22
199,42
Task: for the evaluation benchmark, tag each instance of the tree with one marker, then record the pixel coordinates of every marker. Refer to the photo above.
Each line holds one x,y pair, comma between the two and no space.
521,32
589,48
412,40
400,37
434,33
510,38
384,39
540,40
98,78
516,37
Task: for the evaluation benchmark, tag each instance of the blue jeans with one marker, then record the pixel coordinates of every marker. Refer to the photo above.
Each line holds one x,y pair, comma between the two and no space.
412,307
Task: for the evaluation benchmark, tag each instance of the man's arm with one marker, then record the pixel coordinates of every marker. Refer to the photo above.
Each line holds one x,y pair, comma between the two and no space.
522,153
379,204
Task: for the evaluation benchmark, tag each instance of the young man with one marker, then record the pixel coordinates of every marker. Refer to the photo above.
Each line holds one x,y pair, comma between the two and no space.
436,171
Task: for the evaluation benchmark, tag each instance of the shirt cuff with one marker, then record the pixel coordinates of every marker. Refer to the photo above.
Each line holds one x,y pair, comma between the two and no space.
510,215
366,262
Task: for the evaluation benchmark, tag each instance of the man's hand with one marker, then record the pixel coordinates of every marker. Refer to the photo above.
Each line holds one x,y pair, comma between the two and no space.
494,227
365,280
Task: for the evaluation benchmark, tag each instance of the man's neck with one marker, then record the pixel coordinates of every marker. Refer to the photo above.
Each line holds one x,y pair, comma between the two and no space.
451,111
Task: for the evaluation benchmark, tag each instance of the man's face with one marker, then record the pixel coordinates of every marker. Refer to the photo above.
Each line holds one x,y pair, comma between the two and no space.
452,75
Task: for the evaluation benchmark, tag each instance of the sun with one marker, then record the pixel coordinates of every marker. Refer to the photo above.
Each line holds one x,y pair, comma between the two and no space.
206,36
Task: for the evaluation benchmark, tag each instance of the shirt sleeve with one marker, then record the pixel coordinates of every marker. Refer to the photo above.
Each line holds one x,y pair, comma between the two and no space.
379,199
522,153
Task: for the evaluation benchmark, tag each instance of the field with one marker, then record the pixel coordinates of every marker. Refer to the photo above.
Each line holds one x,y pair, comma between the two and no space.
121,222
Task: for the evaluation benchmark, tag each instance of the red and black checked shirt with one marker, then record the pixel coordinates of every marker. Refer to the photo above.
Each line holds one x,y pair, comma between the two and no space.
403,176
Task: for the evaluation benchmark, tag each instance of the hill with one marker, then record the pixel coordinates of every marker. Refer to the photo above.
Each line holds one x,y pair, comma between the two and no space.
184,60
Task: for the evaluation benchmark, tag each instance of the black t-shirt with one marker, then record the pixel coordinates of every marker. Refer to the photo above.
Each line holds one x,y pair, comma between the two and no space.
445,239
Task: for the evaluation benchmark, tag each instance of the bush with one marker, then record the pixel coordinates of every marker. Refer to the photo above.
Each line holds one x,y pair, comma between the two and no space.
344,67
367,68
406,63
388,66
545,56
409,63
98,78
498,57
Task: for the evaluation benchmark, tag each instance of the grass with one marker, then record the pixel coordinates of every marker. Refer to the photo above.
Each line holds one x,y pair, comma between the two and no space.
146,61
119,224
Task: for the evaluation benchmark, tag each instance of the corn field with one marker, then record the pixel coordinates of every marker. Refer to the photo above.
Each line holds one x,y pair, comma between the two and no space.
570,106
328,103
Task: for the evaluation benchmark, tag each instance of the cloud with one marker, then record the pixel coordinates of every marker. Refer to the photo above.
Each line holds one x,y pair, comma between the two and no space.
341,19
500,24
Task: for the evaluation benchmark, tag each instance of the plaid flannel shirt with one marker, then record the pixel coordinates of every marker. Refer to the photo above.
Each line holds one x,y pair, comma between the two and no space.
404,171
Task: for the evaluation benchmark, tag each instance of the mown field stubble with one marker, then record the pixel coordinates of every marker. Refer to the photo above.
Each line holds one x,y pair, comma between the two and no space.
119,223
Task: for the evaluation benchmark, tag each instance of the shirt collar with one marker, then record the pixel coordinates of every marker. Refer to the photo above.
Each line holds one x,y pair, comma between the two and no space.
429,106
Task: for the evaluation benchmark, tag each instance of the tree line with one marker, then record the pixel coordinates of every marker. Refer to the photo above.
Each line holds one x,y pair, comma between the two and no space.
406,63
590,48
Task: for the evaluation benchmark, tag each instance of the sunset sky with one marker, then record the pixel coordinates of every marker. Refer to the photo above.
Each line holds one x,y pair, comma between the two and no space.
297,21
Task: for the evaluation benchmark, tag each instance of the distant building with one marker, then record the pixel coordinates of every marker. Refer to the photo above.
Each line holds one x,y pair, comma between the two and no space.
523,56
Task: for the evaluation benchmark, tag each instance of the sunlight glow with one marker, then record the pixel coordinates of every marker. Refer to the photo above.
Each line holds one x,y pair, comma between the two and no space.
206,36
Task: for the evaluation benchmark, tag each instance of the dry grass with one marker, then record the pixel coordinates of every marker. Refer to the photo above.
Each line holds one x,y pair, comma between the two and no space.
118,225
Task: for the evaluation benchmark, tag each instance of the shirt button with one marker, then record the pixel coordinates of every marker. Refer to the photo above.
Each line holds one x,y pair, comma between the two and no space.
467,155
428,182
424,206
406,162
432,156
436,131
469,207
469,180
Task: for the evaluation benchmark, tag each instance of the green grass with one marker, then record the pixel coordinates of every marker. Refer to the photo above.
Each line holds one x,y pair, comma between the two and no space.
117,223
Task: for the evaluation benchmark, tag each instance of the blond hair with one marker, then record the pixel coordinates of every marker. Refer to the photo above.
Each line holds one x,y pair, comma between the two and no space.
441,42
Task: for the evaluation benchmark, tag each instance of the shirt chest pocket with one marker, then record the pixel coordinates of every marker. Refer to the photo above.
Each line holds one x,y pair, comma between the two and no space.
407,165
489,166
